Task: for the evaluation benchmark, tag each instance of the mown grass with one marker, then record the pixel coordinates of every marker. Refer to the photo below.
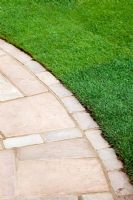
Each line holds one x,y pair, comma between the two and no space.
88,45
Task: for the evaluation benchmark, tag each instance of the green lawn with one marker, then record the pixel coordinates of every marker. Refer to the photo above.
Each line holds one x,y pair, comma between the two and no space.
88,45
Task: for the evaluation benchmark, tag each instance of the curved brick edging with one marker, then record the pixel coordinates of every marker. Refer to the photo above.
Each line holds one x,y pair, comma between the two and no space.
112,167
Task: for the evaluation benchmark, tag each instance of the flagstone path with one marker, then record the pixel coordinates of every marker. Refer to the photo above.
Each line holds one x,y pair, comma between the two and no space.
50,147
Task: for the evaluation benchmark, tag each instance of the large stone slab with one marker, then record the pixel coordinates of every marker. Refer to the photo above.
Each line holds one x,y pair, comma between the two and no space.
19,76
7,90
7,174
60,176
34,114
76,148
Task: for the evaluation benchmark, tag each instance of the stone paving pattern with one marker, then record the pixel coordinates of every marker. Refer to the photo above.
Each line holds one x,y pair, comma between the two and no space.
50,147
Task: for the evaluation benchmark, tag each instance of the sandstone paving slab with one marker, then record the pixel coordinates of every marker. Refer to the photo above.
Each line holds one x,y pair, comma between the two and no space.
60,176
34,66
60,90
45,197
7,90
20,77
22,141
2,52
64,134
7,174
98,196
76,148
47,78
29,115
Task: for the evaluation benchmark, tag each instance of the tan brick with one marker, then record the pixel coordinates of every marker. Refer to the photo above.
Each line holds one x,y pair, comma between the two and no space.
60,176
84,120
120,183
20,77
109,159
72,104
76,148
98,196
47,78
96,139
60,90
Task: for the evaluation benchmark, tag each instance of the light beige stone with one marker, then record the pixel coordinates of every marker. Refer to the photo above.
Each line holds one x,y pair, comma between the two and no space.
60,176
22,141
34,66
120,183
72,104
7,90
64,134
15,52
96,139
84,120
36,114
7,174
47,78
127,197
76,148
109,159
60,90
1,145
2,53
20,77
98,196
44,197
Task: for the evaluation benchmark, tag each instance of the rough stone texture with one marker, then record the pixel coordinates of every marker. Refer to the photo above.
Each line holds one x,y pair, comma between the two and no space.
84,120
61,135
22,141
35,67
20,77
128,197
60,90
16,53
34,114
97,141
77,148
47,78
72,104
98,196
7,90
109,159
66,176
120,183
7,174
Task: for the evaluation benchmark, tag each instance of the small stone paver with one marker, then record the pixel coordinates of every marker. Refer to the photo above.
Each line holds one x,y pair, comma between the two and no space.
64,134
7,90
22,141
60,90
7,174
2,53
47,78
19,76
76,148
84,120
35,114
109,159
98,196
34,67
120,183
72,104
95,138
60,176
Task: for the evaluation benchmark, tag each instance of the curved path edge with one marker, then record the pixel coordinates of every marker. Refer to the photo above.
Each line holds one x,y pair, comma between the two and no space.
118,182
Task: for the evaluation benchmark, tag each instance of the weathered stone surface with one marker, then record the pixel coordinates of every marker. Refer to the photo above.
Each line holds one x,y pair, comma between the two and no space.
96,139
22,141
2,52
7,90
20,77
35,67
76,148
109,159
34,114
98,196
44,197
47,78
128,197
60,90
7,174
120,183
72,104
64,134
65,176
84,120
